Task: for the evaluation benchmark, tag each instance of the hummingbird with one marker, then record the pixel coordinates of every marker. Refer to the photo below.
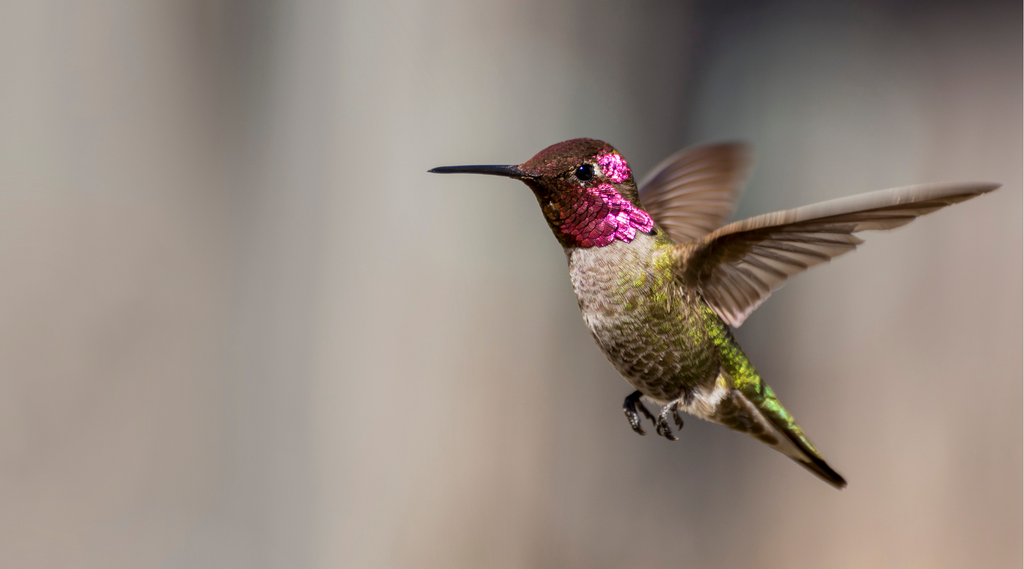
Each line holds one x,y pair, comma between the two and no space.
661,280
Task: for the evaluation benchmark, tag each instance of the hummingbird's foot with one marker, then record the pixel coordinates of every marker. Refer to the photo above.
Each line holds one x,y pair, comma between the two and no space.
629,408
663,427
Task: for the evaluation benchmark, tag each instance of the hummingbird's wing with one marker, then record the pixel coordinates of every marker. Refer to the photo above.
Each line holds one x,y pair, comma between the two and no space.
737,267
693,192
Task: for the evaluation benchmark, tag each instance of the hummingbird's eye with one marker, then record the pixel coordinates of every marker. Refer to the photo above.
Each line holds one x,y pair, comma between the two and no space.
585,173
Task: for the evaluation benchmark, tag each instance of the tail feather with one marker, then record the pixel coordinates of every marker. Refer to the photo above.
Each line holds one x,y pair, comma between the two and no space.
765,419
821,469
748,405
807,456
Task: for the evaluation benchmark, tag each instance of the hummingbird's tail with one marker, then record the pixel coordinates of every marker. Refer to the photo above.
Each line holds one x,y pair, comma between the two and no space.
762,416
748,405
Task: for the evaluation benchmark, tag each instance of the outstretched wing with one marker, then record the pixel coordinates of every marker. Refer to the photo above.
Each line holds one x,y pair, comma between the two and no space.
693,192
737,267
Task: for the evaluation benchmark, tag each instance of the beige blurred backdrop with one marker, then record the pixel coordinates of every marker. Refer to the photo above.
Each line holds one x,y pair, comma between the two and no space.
242,327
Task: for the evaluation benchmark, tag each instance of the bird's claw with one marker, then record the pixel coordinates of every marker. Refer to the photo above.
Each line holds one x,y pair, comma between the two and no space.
662,426
630,406
678,419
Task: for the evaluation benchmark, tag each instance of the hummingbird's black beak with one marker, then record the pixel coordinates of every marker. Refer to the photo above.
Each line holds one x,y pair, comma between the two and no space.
505,171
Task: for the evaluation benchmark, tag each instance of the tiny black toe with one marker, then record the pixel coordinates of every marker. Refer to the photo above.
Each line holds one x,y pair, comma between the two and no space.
629,408
678,419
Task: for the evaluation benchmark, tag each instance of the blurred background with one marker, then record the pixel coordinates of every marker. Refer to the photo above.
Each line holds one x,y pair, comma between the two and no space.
240,326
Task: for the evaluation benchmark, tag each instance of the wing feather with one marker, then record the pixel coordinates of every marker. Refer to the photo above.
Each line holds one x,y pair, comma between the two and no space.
737,267
693,192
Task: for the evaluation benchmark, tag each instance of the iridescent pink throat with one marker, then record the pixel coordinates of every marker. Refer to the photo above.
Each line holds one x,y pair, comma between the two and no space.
600,215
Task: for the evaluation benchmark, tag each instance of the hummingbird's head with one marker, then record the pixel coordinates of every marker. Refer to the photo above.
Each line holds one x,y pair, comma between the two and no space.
585,189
